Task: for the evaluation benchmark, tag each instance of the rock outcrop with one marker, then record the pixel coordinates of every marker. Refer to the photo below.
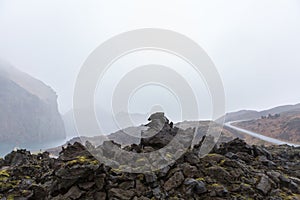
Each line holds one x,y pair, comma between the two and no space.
234,170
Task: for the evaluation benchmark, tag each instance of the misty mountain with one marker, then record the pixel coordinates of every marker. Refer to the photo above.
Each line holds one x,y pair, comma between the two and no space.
28,110
252,114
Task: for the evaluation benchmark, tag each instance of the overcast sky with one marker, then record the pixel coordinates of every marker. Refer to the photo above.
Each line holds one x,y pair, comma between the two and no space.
255,44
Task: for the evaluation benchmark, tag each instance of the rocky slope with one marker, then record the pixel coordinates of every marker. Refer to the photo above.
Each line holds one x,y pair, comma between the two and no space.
233,170
29,113
285,126
131,135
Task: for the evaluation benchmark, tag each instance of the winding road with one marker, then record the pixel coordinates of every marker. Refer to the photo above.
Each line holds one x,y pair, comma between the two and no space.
257,135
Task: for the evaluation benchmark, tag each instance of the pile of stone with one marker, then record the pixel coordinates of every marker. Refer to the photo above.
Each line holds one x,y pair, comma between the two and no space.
234,170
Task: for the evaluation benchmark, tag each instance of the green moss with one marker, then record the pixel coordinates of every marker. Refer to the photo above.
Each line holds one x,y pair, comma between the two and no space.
215,185
168,155
141,160
4,173
246,185
10,197
37,166
82,160
200,179
212,154
222,162
25,192
280,168
6,186
15,182
3,179
286,176
123,167
285,196
140,177
116,170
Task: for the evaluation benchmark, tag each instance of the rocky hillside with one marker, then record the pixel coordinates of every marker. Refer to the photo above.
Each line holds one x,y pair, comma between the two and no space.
234,170
285,126
227,133
29,113
131,135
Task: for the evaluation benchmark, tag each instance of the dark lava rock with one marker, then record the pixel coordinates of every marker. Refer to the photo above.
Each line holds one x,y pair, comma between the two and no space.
264,185
19,157
159,133
235,146
120,194
73,151
175,181
195,186
234,170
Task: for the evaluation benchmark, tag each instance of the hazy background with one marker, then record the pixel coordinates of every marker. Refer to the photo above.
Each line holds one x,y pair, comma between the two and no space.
255,44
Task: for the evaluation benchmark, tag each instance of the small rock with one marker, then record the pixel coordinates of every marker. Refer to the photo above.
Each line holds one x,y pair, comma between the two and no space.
38,192
191,158
195,186
140,188
294,187
218,190
264,185
175,181
100,196
158,194
100,180
265,161
150,177
126,185
219,173
163,172
274,176
231,155
120,194
86,186
190,171
73,193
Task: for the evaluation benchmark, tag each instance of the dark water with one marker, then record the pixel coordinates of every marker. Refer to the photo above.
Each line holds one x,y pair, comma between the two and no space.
6,148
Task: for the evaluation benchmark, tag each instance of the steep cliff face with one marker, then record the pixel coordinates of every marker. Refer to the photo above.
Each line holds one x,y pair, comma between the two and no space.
28,110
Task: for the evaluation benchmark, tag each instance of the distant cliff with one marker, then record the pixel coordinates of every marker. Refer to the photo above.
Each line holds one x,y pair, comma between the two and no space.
28,110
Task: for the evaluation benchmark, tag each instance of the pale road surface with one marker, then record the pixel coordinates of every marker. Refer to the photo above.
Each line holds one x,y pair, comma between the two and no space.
257,135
